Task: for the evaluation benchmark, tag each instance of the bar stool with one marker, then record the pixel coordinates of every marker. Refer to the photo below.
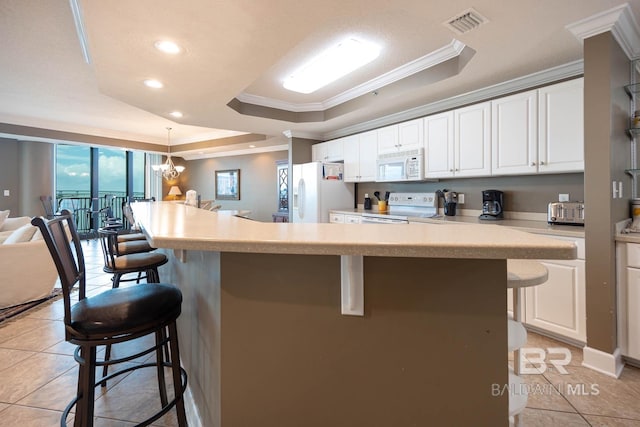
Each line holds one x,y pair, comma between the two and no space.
119,262
114,316
520,274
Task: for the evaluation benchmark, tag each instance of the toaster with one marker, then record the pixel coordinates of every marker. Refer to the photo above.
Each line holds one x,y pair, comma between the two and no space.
571,213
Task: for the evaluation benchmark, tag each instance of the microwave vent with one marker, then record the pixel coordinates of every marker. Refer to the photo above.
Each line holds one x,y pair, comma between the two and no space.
466,21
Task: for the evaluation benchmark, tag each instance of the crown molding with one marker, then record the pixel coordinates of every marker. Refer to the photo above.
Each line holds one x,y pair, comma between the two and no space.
619,20
445,53
306,135
541,78
241,152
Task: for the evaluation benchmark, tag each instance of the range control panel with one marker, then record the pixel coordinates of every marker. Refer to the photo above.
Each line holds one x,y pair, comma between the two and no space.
424,200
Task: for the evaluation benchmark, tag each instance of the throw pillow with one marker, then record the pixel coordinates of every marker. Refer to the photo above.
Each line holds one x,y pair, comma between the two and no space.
3,215
21,235
37,235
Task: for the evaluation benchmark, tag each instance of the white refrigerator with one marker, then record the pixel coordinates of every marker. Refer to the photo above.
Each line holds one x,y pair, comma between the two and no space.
317,188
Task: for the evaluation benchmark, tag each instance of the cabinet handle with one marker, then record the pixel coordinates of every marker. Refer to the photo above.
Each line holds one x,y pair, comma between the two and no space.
450,170
542,163
533,163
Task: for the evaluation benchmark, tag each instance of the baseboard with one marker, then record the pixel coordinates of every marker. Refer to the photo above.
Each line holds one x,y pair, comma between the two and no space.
605,363
193,416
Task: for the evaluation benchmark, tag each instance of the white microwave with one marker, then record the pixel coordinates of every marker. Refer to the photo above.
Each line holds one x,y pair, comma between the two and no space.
400,166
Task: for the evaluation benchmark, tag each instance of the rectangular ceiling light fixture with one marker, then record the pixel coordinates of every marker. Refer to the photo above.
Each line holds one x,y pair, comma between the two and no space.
330,65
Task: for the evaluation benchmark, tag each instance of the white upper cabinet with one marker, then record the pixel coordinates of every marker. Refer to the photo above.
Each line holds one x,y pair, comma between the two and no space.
319,152
388,139
561,127
360,153
438,145
330,151
472,139
514,134
401,137
411,135
368,147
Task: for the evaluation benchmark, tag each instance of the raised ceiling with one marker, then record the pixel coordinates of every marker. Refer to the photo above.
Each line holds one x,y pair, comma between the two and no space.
238,52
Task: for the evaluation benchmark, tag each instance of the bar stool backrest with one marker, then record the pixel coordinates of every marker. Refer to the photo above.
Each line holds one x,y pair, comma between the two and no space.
63,242
109,244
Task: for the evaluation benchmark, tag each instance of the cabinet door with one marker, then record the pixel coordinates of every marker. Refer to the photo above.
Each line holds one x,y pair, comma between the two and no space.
319,152
438,145
558,306
633,313
411,135
368,154
472,138
351,159
335,150
388,139
561,127
514,134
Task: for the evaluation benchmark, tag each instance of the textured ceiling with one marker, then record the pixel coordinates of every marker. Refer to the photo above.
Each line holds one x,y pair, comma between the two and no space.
246,47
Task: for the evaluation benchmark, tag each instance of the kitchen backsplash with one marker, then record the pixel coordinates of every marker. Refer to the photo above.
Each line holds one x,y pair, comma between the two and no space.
521,193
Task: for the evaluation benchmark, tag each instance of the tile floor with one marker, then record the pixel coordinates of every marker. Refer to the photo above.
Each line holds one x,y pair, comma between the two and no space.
38,378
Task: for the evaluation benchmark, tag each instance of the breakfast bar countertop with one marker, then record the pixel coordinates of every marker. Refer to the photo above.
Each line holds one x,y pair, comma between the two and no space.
178,226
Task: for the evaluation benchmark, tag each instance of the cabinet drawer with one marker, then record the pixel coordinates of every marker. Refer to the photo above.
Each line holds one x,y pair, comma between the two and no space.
633,255
336,218
352,219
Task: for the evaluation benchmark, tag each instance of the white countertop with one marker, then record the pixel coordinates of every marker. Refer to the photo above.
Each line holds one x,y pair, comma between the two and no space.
178,226
538,227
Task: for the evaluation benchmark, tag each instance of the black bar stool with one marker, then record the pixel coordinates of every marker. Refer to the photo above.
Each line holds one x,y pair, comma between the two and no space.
114,316
118,261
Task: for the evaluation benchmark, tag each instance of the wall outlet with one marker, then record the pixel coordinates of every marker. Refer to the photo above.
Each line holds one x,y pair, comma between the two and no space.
563,197
7,193
460,198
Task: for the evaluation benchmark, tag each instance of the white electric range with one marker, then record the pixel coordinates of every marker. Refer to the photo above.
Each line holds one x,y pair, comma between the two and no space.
401,206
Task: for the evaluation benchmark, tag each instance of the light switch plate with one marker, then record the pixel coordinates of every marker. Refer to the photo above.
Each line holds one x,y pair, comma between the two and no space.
460,198
7,193
563,197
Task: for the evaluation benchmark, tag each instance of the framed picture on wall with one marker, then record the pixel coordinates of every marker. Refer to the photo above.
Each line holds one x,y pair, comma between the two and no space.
228,184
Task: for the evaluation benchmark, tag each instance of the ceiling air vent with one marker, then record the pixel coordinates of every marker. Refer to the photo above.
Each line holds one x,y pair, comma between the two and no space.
466,21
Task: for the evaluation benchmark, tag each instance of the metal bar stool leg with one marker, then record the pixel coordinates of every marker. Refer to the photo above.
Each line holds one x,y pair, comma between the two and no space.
86,394
162,385
177,375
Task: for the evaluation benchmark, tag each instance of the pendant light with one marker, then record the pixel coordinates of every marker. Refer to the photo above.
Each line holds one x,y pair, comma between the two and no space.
168,170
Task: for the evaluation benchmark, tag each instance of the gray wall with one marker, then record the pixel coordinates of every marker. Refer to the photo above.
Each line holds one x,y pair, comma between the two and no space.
521,193
258,184
26,170
9,177
607,152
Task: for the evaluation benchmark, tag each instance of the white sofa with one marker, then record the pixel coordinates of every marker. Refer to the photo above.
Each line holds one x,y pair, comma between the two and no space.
27,272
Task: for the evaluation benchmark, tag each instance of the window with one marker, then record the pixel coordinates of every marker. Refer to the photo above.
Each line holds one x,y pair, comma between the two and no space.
282,170
112,172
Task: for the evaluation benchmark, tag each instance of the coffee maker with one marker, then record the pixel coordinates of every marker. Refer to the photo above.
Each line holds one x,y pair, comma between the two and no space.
492,205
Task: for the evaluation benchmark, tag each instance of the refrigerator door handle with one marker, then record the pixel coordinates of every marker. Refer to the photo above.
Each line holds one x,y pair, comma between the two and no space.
301,198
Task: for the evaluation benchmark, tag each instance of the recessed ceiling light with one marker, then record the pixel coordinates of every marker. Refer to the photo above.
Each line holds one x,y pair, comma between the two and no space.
335,62
155,84
167,46
176,114
252,146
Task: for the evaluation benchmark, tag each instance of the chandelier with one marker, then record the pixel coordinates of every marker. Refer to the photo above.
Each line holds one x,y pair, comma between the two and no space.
168,170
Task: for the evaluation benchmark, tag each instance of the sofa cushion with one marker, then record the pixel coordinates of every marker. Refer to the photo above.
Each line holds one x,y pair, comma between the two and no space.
3,216
21,235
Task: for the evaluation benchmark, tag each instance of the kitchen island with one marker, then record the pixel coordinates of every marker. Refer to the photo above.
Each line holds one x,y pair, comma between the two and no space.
265,341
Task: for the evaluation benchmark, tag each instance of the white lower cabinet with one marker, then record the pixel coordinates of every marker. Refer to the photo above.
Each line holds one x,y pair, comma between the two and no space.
628,256
343,218
558,306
